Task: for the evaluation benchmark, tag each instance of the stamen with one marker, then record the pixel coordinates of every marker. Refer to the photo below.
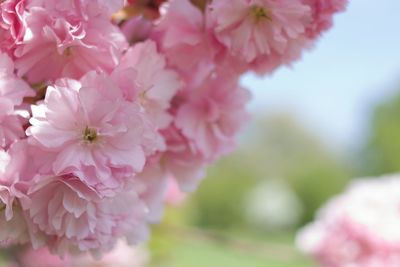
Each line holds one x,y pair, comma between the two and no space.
89,135
68,51
259,13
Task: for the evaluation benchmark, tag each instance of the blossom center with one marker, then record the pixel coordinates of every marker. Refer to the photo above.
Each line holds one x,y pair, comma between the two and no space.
68,52
2,207
259,13
89,135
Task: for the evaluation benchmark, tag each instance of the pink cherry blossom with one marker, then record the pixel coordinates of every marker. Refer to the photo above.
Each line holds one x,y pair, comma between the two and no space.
60,44
322,13
137,29
12,25
85,8
151,185
182,37
358,228
255,30
41,257
121,256
212,115
174,195
129,110
12,92
13,229
153,84
182,161
67,215
92,130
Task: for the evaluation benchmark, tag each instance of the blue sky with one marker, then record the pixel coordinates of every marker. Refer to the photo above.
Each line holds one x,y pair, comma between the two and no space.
334,87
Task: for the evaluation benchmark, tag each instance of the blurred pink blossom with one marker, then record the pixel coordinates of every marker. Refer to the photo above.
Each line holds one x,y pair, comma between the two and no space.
121,256
358,228
322,15
174,195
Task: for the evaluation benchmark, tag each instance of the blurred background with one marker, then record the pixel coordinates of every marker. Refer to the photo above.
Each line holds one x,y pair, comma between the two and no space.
330,117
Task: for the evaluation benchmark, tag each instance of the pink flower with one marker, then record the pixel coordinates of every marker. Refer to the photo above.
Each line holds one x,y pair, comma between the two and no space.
322,13
153,84
12,26
182,161
12,92
68,216
13,187
92,131
43,258
151,185
10,124
181,36
212,115
358,228
174,195
137,29
86,8
121,256
60,43
272,32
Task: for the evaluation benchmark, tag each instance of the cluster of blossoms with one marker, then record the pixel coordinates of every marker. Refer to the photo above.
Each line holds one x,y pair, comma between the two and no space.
102,101
358,228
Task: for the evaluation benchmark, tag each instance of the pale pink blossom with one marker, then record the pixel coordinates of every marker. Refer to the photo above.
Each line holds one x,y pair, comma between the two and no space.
322,15
261,32
12,25
358,228
121,256
13,188
153,85
174,195
90,129
212,115
181,35
137,29
126,115
151,185
12,92
41,258
84,8
182,161
69,216
63,44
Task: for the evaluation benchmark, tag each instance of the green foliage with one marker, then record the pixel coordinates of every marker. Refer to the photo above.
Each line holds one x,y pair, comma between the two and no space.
295,155
212,230
199,249
195,253
276,148
382,151
219,202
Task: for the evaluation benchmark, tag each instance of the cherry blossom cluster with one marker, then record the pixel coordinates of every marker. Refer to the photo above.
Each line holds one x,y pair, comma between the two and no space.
102,101
358,228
